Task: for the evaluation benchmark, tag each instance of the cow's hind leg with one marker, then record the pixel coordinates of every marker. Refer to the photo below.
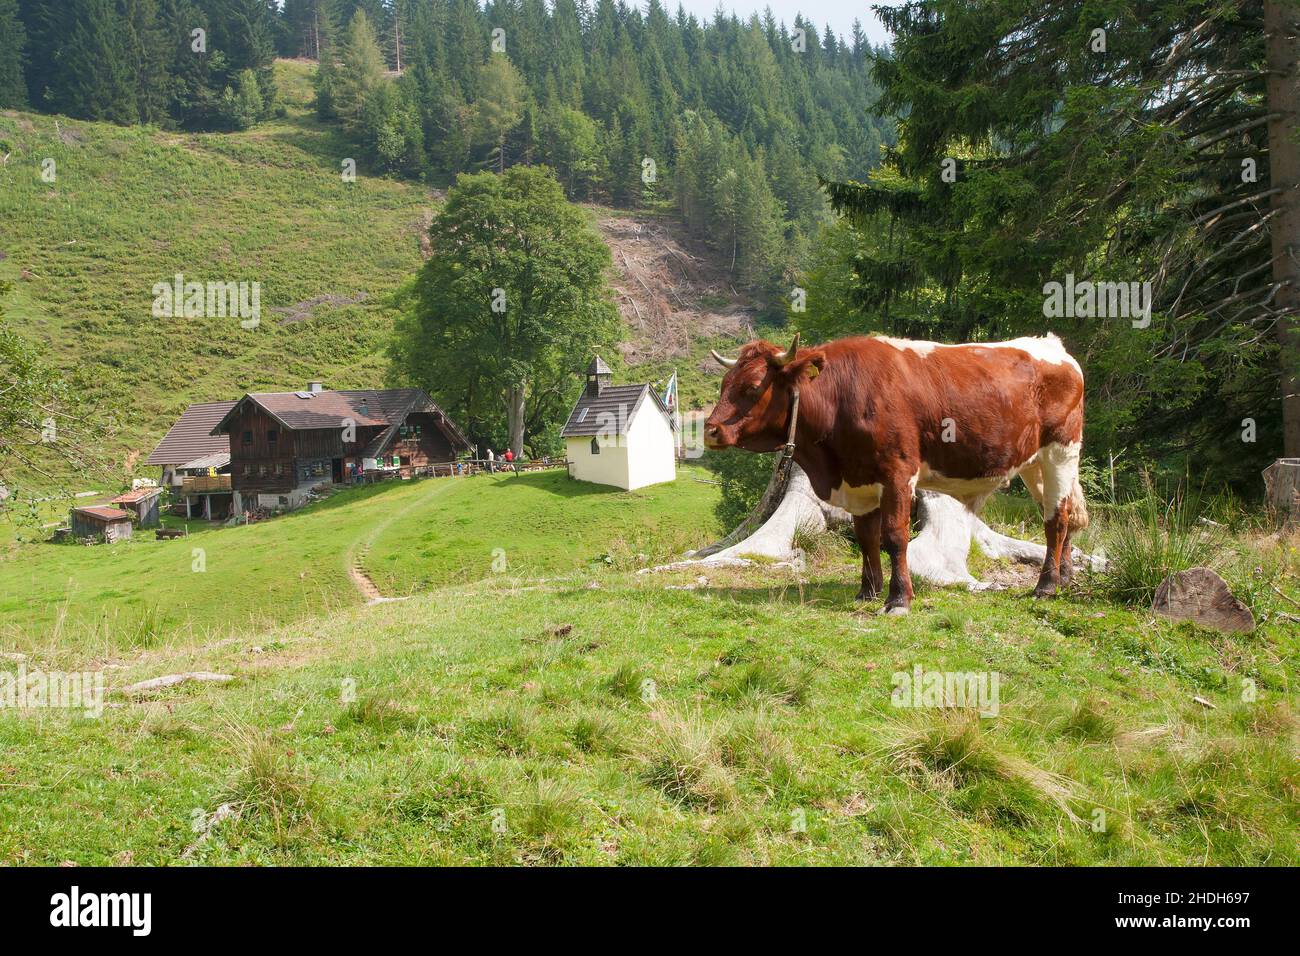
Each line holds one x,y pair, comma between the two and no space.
895,530
1078,520
1060,471
867,529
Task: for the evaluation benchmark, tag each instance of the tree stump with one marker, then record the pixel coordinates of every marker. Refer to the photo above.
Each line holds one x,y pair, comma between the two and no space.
1202,597
1282,491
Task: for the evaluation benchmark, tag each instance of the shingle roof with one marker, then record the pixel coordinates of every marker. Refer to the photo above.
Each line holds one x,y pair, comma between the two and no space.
131,497
219,460
106,514
598,367
362,407
609,413
191,436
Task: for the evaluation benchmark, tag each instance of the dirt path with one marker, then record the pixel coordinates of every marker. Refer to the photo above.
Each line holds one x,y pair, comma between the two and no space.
362,580
355,557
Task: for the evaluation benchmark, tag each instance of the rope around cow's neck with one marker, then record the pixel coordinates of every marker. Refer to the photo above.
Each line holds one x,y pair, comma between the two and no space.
794,421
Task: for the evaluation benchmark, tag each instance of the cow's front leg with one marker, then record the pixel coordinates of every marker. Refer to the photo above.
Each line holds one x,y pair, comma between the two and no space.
867,529
895,530
1056,529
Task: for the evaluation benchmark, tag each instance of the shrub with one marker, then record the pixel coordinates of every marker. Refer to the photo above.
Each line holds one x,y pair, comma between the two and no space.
1152,540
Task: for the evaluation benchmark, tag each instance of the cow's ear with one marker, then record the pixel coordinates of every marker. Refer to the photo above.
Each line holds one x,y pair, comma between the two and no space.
806,366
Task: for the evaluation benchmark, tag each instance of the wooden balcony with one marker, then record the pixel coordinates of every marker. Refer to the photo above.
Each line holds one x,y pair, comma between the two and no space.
202,484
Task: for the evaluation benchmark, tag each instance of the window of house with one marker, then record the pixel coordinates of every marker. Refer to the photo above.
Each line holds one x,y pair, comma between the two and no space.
261,471
248,470
595,446
248,437
272,436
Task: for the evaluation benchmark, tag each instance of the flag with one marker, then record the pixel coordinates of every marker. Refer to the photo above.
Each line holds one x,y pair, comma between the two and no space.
673,404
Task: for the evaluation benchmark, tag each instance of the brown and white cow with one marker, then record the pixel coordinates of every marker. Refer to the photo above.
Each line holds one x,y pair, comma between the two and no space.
880,417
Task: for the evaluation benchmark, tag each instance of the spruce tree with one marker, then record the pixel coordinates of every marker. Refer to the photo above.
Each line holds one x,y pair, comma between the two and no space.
13,86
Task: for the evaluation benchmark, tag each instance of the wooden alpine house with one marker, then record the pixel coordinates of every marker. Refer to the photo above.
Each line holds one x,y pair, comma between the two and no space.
284,444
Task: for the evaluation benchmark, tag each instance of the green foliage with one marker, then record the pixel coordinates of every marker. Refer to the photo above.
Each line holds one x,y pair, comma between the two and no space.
597,96
242,106
136,61
498,108
39,417
743,477
510,307
393,134
1153,538
1038,158
13,37
355,67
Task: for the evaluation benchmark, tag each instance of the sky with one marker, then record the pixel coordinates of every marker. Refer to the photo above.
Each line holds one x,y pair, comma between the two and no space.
840,14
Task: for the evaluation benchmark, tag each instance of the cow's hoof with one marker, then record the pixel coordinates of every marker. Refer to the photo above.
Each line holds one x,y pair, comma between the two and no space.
896,609
1042,592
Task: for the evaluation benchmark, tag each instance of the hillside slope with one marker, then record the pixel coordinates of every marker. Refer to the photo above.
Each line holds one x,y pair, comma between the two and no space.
131,207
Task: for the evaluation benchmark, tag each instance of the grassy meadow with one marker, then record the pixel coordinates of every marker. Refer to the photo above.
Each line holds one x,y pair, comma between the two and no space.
407,536
566,709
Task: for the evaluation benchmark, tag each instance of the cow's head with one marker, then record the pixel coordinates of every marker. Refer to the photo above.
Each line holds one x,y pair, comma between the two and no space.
753,411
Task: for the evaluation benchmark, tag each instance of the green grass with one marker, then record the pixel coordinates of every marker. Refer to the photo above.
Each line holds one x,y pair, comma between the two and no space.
409,536
534,525
133,206
568,710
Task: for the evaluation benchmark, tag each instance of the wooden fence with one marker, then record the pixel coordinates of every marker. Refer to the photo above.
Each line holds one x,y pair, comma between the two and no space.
479,466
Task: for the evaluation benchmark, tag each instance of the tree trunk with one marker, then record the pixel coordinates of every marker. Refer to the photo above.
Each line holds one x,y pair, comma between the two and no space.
515,418
1282,38
1282,491
937,554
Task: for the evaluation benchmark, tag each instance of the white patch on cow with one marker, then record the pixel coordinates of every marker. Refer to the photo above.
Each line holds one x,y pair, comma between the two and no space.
1047,348
1060,476
859,500
910,345
972,492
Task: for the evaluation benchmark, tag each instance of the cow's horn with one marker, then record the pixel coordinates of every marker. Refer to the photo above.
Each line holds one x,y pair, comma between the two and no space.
786,357
722,359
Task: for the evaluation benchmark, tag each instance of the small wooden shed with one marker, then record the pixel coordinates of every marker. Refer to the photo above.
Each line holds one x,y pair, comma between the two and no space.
143,503
112,524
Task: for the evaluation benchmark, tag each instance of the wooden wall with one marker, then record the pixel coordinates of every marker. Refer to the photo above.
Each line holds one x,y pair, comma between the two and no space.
431,447
262,466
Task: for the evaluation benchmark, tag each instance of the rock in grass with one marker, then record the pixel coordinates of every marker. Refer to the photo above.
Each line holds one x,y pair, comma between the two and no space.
1201,596
171,680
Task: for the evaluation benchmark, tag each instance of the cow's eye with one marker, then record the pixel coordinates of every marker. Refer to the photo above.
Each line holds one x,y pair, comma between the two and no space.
753,391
